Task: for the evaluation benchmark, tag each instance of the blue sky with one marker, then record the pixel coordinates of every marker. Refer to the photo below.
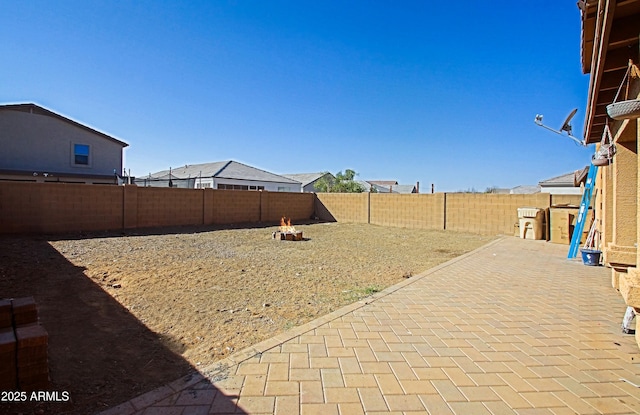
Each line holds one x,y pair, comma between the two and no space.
435,92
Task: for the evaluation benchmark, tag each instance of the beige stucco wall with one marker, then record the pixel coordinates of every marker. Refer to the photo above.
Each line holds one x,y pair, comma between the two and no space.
637,194
604,197
621,252
625,179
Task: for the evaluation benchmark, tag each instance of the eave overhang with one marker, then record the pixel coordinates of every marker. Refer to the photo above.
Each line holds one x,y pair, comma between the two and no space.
609,39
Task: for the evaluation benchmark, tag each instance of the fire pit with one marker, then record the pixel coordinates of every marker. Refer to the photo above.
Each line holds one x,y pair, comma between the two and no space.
287,232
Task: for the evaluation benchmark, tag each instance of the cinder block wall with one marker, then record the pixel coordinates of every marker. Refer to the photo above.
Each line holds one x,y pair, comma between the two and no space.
488,214
158,207
421,211
295,206
343,207
234,206
53,208
30,208
56,208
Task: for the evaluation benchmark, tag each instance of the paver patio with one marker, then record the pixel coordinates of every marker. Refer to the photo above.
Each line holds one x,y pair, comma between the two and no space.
510,328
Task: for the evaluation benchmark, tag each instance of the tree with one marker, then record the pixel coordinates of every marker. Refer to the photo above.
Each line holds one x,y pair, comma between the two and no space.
343,183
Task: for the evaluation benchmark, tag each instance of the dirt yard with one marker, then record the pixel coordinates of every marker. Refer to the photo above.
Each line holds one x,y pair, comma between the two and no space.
130,312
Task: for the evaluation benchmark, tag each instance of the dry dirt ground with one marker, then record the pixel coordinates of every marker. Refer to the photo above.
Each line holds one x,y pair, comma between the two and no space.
130,312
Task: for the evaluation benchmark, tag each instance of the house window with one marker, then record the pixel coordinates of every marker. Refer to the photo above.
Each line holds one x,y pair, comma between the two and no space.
233,187
256,187
81,153
203,185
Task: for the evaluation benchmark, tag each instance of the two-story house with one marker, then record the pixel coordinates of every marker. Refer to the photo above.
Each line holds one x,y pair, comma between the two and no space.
39,145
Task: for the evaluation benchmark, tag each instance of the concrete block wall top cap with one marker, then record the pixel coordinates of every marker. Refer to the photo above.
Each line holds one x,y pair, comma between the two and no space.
7,336
23,302
32,334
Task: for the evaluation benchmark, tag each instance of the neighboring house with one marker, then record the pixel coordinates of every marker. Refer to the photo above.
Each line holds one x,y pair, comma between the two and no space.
379,185
39,145
610,48
524,190
392,186
388,186
405,188
383,183
309,180
228,175
567,184
372,187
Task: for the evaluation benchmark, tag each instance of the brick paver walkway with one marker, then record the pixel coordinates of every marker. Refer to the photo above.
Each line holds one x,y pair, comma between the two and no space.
511,328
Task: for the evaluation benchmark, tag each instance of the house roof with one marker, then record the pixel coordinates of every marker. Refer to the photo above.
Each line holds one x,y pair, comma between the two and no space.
384,188
305,178
524,190
36,109
572,179
223,170
384,182
404,188
368,185
567,179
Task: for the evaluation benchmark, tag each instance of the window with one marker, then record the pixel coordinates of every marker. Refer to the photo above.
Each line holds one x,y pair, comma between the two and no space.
203,185
81,154
235,187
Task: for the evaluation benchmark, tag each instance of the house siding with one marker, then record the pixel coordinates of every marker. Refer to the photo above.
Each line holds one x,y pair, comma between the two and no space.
43,144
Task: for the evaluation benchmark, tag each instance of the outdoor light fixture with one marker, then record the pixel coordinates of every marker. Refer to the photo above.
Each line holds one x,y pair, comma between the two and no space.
566,126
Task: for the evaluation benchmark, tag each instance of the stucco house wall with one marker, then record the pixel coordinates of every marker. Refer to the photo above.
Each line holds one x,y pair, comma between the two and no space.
38,145
610,48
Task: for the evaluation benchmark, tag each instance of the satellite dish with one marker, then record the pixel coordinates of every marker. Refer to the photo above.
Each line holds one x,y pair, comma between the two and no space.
566,126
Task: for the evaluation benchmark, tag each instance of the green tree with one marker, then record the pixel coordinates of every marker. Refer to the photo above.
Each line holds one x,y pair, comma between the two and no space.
343,183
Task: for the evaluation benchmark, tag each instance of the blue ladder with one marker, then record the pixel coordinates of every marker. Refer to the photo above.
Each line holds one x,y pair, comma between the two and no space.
582,213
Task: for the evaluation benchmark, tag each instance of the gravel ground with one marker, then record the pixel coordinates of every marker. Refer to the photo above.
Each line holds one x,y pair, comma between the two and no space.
128,313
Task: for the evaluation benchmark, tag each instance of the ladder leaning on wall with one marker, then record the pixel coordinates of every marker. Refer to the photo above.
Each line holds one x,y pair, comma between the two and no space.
582,213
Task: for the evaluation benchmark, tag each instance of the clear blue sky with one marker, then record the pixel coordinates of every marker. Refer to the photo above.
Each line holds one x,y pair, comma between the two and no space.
427,91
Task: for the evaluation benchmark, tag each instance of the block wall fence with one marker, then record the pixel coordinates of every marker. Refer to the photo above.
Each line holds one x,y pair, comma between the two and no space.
487,214
45,208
